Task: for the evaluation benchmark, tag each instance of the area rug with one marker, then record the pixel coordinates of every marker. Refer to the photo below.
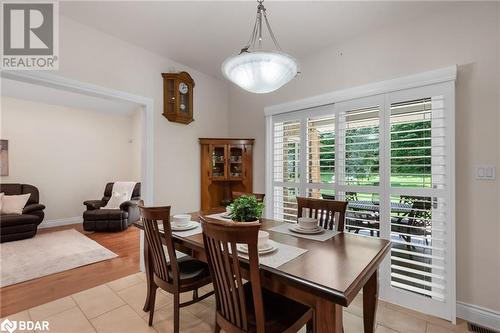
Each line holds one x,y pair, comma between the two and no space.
46,254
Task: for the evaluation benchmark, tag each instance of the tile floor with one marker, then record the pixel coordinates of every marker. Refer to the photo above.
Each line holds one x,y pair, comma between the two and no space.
116,307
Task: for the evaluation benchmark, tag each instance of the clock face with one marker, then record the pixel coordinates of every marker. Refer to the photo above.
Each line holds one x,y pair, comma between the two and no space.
183,88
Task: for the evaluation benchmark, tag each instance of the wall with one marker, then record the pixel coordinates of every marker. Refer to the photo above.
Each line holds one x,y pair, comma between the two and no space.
91,56
467,36
69,154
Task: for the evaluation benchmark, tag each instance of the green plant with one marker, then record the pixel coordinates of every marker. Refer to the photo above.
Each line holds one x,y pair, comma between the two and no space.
246,209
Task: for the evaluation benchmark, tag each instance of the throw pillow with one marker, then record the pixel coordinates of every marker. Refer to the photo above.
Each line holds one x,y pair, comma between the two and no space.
1,197
14,204
116,200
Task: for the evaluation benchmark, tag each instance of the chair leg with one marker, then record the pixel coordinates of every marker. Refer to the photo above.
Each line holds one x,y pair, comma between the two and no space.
217,327
176,312
152,298
195,294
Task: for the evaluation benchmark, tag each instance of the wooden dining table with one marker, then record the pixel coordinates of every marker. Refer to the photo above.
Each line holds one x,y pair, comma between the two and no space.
327,277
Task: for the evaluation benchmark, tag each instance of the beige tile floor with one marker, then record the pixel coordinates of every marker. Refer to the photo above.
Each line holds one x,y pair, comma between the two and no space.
116,307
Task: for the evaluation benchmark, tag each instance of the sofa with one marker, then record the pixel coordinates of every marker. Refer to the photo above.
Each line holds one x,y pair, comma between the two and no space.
15,227
97,218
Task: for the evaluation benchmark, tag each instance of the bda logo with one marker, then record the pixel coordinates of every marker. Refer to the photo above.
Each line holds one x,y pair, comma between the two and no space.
8,325
30,35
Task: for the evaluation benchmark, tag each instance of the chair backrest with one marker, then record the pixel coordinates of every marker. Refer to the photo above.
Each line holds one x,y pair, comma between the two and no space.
108,191
258,196
220,239
150,217
329,213
17,189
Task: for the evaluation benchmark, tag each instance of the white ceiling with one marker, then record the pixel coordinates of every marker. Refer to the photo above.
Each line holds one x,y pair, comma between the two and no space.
38,93
202,34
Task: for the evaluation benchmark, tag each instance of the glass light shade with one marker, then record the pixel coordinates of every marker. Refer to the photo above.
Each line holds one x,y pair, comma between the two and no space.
260,72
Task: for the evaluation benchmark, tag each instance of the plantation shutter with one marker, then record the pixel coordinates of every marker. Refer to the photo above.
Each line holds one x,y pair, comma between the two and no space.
320,157
420,172
286,169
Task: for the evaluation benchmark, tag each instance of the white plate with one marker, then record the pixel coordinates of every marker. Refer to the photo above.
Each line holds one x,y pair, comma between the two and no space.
189,226
298,229
225,216
243,248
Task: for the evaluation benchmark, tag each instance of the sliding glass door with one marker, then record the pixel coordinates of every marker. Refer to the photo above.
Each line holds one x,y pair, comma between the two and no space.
389,156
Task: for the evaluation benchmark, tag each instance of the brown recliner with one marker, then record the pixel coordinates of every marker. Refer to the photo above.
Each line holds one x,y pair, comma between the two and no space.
95,218
15,227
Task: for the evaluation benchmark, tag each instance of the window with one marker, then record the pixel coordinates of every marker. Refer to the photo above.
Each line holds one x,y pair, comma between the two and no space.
390,156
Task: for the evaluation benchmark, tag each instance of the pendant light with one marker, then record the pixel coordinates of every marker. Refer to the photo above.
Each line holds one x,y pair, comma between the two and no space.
256,70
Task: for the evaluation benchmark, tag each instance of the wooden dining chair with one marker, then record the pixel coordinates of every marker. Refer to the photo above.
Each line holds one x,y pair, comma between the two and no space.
258,196
173,275
246,307
330,213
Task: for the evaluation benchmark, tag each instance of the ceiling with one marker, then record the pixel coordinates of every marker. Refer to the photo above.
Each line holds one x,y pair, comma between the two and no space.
202,34
42,94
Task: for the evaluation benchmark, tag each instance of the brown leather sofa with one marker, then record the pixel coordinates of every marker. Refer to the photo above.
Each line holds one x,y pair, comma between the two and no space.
15,227
96,219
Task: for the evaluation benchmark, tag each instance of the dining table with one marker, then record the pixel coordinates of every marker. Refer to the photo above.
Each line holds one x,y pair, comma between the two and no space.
327,277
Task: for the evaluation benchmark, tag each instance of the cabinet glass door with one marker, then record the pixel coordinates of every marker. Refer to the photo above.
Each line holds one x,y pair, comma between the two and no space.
236,162
219,162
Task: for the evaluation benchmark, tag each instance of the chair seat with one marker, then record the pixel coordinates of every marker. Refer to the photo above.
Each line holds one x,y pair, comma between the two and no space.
280,312
190,270
104,214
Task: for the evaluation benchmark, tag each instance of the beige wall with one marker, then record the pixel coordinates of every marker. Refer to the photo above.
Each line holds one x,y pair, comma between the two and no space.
69,154
467,36
94,57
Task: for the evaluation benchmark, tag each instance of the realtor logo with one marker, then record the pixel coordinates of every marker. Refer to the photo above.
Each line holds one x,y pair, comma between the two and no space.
30,35
23,325
8,326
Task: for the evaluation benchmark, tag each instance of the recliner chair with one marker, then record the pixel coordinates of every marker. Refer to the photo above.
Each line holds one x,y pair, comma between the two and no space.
96,218
15,227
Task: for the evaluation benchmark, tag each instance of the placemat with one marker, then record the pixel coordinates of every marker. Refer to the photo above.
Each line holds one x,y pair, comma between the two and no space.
284,229
186,233
281,256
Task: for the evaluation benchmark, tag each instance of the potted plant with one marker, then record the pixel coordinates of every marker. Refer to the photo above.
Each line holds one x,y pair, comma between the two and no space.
246,209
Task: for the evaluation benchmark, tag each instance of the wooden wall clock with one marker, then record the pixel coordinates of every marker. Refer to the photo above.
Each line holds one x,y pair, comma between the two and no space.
178,97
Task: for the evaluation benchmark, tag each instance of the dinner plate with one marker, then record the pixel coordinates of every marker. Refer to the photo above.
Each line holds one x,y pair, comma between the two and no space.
298,229
225,216
243,248
189,226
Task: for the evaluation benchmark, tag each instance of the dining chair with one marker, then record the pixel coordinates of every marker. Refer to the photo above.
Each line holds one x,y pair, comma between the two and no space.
330,213
172,274
258,196
246,307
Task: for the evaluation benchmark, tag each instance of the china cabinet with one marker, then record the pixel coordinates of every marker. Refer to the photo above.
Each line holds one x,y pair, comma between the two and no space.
226,166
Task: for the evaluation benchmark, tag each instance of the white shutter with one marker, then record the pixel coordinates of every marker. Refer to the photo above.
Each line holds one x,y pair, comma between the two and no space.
286,169
421,220
320,157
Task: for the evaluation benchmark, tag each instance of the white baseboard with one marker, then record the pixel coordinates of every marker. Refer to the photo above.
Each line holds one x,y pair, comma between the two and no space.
479,315
59,222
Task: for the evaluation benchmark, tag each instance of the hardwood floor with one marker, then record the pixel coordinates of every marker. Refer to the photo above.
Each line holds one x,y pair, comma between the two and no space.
31,293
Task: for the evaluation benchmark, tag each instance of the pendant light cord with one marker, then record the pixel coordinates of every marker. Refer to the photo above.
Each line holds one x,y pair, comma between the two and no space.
256,36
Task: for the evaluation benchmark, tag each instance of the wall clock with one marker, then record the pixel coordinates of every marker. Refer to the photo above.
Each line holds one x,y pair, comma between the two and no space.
178,97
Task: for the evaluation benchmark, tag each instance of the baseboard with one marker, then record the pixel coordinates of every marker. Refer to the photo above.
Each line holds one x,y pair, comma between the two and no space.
479,315
60,222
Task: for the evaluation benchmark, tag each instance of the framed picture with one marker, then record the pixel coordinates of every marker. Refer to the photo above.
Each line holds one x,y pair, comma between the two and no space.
4,157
